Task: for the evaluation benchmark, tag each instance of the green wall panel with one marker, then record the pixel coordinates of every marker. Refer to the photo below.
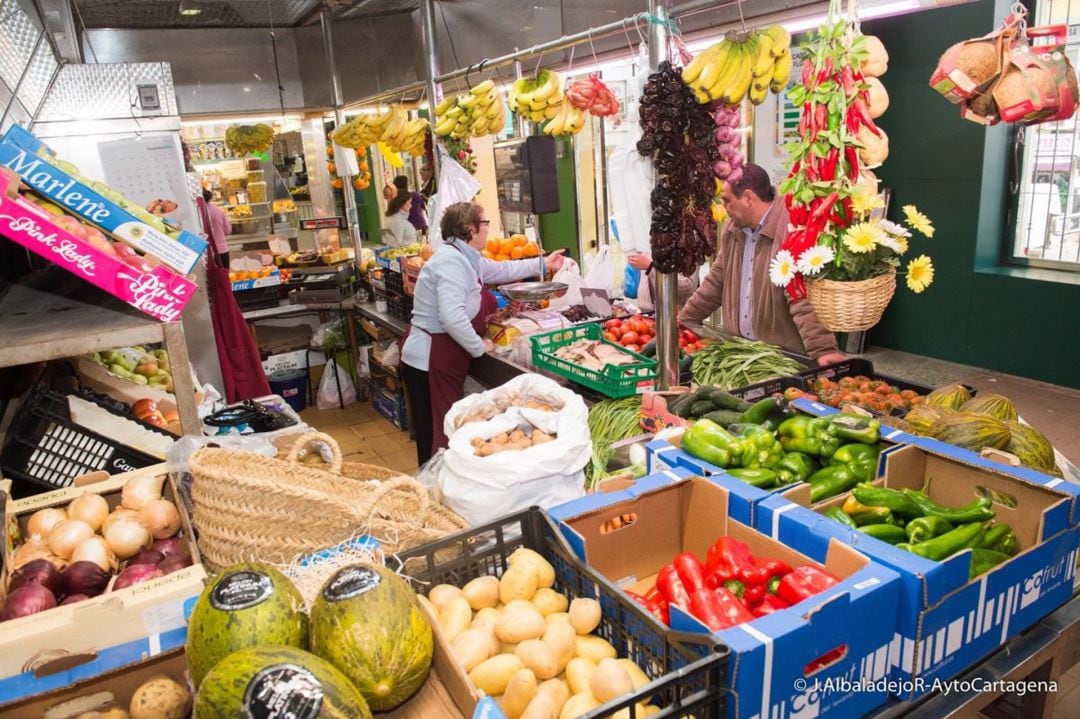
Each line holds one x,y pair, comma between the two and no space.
560,229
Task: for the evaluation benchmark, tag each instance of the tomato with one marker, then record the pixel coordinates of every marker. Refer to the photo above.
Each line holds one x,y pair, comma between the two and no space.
629,338
644,339
616,330
612,323
639,326
610,337
691,336
633,348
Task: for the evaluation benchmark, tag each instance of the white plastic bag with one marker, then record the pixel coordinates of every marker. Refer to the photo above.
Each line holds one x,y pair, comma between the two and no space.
605,270
455,185
482,489
570,275
328,387
522,388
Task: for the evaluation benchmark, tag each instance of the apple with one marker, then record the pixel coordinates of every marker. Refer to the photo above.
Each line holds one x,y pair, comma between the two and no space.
171,416
155,418
147,367
71,225
144,406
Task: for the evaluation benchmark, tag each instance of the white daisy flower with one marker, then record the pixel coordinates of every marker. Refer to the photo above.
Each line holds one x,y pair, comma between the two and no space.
894,229
893,243
782,268
814,259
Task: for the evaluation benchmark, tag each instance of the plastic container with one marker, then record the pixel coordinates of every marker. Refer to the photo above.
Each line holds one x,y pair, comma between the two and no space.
613,381
688,670
255,176
291,385
256,191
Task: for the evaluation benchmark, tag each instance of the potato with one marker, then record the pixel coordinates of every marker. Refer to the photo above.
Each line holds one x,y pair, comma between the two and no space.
559,693
440,594
649,709
538,656
560,639
519,693
520,581
455,617
547,601
493,675
558,617
160,697
584,615
516,627
541,707
578,705
520,605
471,647
485,623
482,592
505,648
610,681
637,676
543,566
578,675
594,648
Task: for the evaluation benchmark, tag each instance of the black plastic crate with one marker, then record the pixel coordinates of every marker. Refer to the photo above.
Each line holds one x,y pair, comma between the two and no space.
260,298
854,367
399,307
395,283
761,390
45,450
689,673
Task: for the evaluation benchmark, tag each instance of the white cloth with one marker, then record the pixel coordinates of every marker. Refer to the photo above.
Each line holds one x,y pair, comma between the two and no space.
399,231
447,297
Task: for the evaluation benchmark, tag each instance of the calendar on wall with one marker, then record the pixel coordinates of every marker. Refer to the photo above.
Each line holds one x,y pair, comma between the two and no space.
150,171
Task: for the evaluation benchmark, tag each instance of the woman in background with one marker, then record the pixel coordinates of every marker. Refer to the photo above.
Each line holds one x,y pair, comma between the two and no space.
399,231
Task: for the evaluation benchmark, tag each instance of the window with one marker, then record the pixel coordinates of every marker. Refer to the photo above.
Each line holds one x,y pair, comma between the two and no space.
1048,189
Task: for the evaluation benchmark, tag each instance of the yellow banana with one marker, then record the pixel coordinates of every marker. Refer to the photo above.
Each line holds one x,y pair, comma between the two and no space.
744,75
552,111
483,88
551,84
693,70
758,92
445,126
781,72
727,76
781,39
492,110
711,71
763,59
445,105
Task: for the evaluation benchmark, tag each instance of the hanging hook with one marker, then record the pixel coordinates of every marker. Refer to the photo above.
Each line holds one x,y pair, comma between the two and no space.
592,48
468,82
570,63
539,60
626,34
742,18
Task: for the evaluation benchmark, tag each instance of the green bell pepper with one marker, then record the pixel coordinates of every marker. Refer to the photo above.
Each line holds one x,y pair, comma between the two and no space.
855,428
983,560
892,499
966,536
841,516
863,514
759,411
977,511
757,477
807,434
709,441
921,529
889,533
855,452
760,448
1001,538
795,467
830,481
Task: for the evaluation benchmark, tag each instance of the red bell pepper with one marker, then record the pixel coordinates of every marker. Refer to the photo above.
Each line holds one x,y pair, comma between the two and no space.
825,660
753,595
657,607
804,582
718,608
671,587
691,571
653,594
773,567
770,603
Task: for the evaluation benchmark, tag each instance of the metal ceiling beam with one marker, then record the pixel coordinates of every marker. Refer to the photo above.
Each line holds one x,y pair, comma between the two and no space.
60,25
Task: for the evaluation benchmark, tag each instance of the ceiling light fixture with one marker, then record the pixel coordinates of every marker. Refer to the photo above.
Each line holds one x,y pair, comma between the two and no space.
188,8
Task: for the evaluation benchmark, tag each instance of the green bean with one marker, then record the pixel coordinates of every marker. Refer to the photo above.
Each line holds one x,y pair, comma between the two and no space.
740,362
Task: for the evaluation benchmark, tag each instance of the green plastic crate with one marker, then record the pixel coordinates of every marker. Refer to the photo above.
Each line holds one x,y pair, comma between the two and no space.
612,381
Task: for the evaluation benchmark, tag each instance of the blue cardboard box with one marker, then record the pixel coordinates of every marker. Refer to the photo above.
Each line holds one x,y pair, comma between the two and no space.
770,655
32,160
945,623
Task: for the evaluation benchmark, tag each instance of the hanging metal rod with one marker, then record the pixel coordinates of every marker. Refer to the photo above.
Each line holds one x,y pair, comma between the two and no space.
695,6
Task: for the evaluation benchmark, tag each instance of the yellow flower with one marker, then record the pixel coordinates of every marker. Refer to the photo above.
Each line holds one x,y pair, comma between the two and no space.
863,203
918,220
863,237
920,273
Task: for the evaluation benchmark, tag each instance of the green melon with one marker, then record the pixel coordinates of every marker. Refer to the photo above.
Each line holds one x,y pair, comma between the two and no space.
922,416
951,396
245,606
993,405
368,623
278,681
971,431
1031,446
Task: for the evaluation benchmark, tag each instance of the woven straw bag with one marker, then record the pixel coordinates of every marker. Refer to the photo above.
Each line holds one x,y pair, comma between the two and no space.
248,507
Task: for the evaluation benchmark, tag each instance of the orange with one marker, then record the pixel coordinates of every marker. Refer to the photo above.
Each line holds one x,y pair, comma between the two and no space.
517,253
492,246
332,167
364,166
519,240
531,250
330,151
232,277
502,257
337,183
361,152
505,246
487,255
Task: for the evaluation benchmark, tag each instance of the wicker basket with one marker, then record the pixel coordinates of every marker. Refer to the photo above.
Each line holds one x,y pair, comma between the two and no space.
248,507
851,306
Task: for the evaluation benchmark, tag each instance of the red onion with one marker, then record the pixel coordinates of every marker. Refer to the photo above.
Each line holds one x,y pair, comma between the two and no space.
39,571
26,600
136,574
174,563
168,546
85,578
72,599
146,556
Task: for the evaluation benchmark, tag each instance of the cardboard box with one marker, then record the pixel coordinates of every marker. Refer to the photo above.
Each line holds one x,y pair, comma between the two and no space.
115,685
25,154
769,655
946,622
654,410
158,292
67,635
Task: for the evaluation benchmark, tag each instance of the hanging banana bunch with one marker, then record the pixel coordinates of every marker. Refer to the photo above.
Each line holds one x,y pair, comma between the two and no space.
245,139
741,65
479,112
539,98
391,127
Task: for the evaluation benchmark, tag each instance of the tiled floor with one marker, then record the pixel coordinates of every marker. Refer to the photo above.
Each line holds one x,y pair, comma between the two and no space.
365,436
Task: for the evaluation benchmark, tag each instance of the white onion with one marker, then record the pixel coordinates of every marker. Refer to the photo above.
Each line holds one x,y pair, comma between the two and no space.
140,490
126,537
90,508
118,514
96,550
161,518
28,551
42,521
67,535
